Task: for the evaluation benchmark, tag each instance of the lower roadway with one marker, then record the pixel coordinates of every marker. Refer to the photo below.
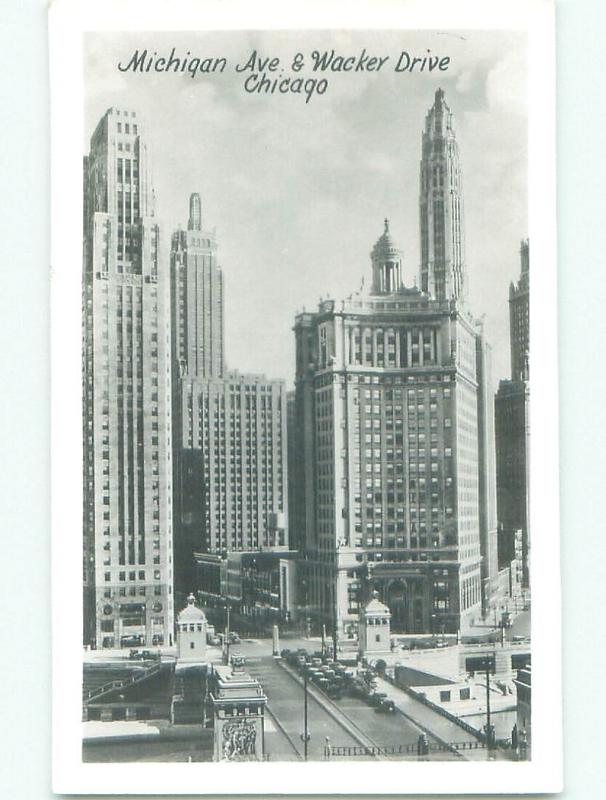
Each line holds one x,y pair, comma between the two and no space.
285,698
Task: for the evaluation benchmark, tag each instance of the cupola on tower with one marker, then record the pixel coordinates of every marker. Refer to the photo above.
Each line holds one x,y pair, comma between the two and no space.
386,264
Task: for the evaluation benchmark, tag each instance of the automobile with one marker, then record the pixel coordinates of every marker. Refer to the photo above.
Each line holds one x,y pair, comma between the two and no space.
132,641
285,653
358,688
134,654
385,707
148,655
233,638
292,659
213,639
518,638
376,698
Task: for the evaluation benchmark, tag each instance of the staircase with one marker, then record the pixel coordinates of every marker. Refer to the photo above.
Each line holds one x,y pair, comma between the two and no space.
102,692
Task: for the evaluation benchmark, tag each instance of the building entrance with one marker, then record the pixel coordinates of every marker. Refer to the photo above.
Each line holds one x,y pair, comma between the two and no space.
405,601
397,600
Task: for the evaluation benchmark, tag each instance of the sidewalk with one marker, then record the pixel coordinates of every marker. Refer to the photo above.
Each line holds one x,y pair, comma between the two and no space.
433,723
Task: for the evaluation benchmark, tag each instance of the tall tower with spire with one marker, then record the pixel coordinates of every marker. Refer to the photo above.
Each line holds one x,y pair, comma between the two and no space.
441,206
518,318
197,299
229,443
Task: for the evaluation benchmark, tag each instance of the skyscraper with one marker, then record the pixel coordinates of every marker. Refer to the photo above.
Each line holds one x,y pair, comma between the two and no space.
126,396
441,206
513,431
230,433
198,292
519,296
393,427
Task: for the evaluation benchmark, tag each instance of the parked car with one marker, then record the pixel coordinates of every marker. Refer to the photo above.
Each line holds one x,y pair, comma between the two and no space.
132,641
149,655
213,640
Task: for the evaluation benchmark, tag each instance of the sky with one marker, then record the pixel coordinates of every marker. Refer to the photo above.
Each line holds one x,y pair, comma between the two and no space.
298,191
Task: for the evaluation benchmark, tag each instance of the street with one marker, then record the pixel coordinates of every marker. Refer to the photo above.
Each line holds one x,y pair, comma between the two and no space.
285,699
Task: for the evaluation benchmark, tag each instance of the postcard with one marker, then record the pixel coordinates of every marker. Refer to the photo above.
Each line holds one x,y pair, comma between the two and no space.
304,344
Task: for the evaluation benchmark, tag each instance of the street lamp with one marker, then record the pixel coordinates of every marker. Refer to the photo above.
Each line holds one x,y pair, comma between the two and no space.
335,638
305,736
226,634
253,585
306,617
489,727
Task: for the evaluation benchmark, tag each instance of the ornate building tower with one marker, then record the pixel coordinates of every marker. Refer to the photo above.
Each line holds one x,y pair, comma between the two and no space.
389,434
393,484
441,206
230,498
128,579
386,260
519,295
197,299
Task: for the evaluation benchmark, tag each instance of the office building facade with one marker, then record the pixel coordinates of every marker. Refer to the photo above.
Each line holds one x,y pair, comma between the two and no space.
393,486
230,443
127,476
513,429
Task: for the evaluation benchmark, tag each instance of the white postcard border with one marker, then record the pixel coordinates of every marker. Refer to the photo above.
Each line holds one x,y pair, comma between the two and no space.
68,19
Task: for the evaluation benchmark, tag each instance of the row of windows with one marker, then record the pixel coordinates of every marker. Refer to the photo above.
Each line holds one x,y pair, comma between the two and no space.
133,576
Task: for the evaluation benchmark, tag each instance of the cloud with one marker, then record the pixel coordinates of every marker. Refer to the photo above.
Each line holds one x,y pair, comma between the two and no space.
506,84
298,192
464,81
